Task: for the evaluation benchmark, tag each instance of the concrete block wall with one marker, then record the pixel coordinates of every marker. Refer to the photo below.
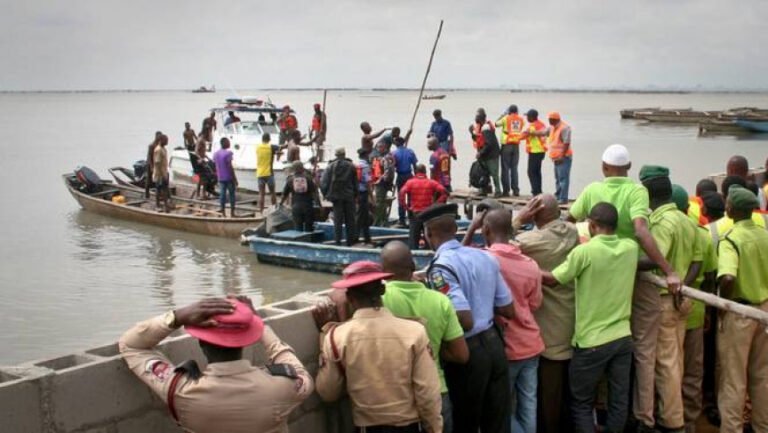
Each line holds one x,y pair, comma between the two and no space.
94,392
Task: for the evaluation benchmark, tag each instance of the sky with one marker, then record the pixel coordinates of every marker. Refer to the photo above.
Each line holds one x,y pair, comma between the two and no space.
181,44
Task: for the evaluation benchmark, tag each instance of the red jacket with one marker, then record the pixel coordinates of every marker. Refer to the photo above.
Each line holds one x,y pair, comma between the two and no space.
421,193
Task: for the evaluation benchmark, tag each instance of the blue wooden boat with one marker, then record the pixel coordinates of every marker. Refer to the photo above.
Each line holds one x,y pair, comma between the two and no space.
753,125
327,229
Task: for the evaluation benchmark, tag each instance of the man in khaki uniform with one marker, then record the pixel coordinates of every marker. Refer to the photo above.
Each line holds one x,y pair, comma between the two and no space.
549,246
230,395
384,362
742,344
677,240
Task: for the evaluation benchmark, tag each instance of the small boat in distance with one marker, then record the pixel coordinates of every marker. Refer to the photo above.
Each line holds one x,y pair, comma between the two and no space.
430,97
203,89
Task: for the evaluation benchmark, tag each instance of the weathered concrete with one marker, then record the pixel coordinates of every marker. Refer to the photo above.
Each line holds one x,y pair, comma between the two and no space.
94,392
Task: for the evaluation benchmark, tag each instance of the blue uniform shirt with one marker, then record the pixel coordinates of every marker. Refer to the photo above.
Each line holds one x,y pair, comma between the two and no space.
441,130
365,175
472,280
405,160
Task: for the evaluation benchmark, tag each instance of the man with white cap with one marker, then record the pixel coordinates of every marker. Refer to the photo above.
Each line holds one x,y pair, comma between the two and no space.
230,394
631,201
384,362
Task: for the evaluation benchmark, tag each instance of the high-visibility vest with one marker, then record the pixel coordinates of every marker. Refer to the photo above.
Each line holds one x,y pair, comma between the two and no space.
535,144
477,131
725,223
555,142
512,129
695,205
287,122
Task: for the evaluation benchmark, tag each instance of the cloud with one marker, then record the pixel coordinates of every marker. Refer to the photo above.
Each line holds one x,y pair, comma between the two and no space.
88,44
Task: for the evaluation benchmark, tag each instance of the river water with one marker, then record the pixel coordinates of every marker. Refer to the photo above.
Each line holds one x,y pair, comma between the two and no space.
70,279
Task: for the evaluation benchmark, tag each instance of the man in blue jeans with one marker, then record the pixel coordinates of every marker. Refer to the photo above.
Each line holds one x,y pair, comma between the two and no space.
405,163
561,152
222,159
604,270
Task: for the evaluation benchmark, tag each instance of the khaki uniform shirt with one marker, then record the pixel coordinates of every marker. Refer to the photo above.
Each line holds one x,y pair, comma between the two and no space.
160,164
229,397
389,371
549,246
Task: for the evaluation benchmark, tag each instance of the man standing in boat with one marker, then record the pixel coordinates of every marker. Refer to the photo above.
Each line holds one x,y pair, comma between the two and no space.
209,125
366,141
339,185
382,176
319,129
190,138
225,172
442,129
287,123
150,163
160,173
300,186
265,157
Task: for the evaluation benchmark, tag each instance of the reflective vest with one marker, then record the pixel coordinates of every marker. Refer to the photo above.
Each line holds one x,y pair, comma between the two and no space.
535,144
512,129
695,205
477,132
724,224
287,122
555,142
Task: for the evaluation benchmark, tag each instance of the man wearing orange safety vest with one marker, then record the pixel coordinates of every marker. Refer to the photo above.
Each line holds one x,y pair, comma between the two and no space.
319,128
484,140
511,134
696,203
534,135
287,123
559,148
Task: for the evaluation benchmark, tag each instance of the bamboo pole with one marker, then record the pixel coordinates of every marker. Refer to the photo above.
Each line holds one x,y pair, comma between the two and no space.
424,82
712,300
322,126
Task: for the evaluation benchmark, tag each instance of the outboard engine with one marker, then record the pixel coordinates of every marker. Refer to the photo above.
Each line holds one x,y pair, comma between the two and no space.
90,181
140,172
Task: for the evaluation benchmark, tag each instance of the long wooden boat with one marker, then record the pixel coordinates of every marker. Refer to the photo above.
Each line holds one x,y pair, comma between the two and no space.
433,97
629,113
684,116
187,215
720,126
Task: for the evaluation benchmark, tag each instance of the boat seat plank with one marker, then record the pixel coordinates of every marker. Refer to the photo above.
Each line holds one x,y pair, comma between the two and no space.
104,193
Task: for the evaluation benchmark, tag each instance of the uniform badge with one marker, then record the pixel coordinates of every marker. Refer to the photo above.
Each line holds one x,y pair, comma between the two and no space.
438,283
159,369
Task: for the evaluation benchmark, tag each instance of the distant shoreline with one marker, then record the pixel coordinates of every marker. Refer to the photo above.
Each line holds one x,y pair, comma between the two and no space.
467,89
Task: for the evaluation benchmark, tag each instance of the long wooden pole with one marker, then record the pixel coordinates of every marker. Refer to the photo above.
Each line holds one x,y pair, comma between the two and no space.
713,300
322,125
424,82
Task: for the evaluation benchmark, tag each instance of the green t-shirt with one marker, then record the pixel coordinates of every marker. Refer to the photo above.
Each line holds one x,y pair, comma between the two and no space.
604,269
676,237
413,299
629,198
708,264
743,254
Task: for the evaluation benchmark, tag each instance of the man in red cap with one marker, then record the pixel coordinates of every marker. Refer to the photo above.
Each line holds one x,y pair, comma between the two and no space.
230,394
385,362
319,129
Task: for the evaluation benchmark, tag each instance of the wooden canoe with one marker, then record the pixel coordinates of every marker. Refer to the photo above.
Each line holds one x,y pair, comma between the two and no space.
187,215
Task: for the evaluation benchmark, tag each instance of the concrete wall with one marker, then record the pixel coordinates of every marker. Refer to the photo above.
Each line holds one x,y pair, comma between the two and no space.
94,392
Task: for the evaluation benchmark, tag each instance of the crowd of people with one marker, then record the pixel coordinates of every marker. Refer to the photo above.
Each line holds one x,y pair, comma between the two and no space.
517,334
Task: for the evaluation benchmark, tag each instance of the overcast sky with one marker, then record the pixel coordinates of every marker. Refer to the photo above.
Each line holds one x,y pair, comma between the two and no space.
172,44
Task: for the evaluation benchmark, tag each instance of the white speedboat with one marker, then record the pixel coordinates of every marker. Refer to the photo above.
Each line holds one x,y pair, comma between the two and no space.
256,118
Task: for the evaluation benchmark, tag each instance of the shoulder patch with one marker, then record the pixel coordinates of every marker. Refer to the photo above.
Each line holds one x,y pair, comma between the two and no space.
437,282
158,369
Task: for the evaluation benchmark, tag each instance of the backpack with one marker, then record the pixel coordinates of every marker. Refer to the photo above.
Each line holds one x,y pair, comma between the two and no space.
479,176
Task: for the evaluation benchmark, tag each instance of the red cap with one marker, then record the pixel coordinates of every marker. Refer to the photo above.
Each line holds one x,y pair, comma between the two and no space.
286,107
317,105
360,273
553,115
238,329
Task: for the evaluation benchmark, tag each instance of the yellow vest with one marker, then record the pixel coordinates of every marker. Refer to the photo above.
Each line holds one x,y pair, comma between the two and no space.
511,129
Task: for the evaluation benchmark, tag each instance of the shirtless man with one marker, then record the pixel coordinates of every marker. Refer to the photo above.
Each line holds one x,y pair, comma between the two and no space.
189,137
366,142
209,125
292,147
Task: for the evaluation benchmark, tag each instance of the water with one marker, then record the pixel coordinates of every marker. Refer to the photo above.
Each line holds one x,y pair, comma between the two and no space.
70,279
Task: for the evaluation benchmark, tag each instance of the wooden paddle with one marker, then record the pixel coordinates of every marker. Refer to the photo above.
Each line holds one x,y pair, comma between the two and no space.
424,82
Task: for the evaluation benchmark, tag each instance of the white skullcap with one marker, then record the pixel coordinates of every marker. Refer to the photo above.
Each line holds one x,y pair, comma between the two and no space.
616,155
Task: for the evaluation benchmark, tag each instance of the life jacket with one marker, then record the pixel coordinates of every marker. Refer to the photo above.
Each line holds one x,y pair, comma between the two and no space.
695,214
376,170
535,144
287,122
512,130
555,142
316,122
477,131
359,172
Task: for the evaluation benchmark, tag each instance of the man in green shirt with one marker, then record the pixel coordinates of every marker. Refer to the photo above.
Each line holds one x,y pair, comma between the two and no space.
411,299
742,344
631,201
693,347
604,271
676,238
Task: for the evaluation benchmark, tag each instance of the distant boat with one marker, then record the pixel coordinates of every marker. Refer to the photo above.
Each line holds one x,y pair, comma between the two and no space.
203,89
754,125
428,97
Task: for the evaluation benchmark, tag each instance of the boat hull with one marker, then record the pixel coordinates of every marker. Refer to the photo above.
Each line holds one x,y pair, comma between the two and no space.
753,125
222,227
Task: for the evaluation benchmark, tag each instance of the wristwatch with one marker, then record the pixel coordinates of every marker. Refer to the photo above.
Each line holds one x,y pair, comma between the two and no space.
170,319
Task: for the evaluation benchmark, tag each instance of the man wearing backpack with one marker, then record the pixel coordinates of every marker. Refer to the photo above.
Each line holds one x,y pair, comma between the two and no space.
339,185
304,191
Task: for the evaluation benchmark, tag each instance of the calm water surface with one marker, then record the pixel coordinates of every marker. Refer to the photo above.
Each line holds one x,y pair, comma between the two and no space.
70,279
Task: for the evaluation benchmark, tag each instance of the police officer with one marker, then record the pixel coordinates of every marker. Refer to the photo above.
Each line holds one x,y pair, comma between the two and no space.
386,363
230,394
479,390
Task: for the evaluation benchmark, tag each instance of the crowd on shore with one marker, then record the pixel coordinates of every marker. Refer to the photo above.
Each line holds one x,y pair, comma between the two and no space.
541,318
